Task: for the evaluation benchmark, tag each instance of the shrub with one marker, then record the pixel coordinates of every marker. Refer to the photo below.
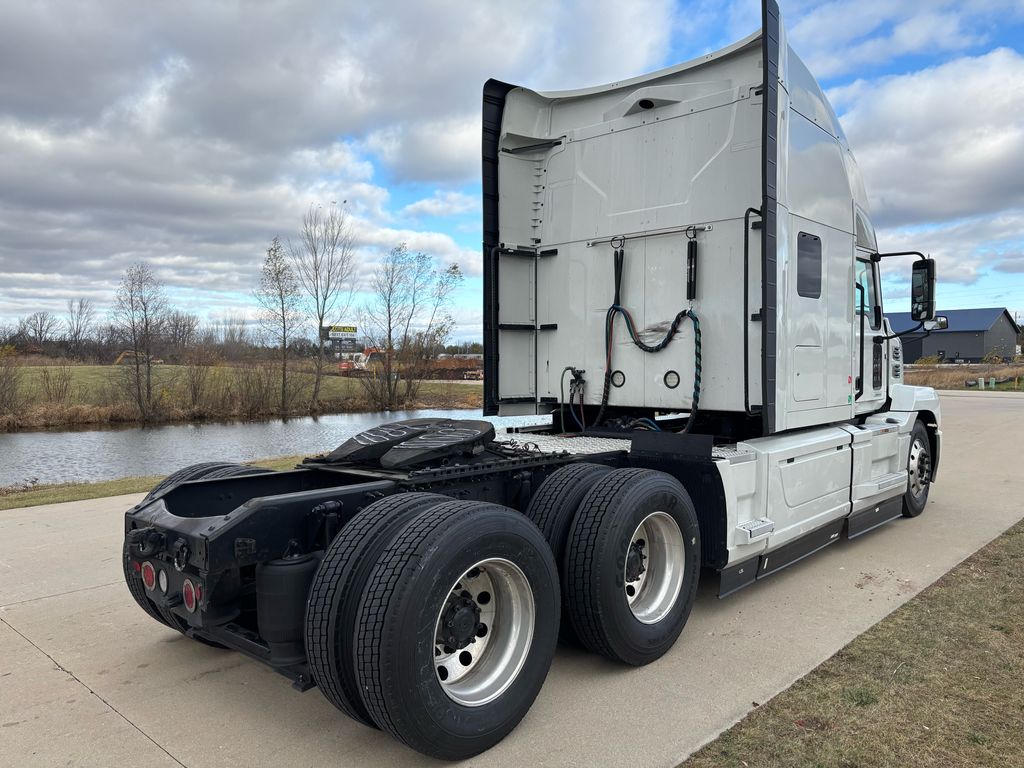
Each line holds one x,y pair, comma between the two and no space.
57,383
10,381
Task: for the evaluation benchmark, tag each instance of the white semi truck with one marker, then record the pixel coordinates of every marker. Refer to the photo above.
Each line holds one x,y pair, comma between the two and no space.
681,276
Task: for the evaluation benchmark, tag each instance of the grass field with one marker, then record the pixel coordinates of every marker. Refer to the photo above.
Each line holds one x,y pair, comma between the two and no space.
97,384
938,683
955,376
98,394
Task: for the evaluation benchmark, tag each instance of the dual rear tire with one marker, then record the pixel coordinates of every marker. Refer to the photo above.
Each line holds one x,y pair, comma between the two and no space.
631,565
628,545
435,620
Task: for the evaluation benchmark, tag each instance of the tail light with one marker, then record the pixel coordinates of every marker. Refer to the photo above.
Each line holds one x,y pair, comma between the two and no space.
149,575
189,596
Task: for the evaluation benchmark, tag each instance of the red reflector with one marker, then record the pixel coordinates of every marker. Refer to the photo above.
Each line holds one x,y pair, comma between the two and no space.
199,593
148,575
136,565
188,596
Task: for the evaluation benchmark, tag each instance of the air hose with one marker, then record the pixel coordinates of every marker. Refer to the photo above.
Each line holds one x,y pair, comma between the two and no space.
617,309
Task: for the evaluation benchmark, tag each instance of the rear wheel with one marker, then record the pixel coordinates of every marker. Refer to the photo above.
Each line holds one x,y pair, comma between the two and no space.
337,587
632,565
457,628
184,475
919,472
235,470
553,508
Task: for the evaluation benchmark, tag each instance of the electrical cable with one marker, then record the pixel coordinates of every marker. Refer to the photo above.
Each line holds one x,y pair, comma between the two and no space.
583,419
617,309
654,426
561,392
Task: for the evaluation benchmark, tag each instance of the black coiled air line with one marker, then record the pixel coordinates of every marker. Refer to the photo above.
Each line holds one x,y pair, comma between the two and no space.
616,309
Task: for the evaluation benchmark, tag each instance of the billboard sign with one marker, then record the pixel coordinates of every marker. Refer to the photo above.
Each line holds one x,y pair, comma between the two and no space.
339,332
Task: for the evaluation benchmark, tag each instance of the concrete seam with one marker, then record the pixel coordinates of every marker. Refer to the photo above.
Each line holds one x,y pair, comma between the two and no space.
57,594
74,677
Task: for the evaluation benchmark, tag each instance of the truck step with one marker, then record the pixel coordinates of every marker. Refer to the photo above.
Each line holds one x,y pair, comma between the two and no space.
755,529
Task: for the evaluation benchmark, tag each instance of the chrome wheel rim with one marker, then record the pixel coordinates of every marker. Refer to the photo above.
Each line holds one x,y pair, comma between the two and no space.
919,468
654,569
483,632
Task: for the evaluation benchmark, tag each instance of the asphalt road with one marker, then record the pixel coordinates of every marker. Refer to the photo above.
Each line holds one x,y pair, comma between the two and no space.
87,679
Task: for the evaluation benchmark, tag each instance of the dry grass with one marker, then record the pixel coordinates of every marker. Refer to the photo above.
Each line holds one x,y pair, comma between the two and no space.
955,376
13,497
95,395
938,683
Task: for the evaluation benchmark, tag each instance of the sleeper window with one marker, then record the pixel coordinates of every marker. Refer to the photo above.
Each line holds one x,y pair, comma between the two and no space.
808,266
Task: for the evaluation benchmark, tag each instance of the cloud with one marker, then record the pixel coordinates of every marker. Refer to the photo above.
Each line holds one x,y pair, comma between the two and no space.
964,250
846,36
187,135
943,143
443,204
447,149
1011,263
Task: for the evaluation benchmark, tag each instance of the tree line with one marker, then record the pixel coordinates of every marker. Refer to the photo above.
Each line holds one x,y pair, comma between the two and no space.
305,283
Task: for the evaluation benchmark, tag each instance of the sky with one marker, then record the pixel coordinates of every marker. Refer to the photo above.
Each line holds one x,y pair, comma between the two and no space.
187,135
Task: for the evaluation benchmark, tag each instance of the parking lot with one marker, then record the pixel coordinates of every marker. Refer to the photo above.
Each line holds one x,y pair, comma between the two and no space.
87,679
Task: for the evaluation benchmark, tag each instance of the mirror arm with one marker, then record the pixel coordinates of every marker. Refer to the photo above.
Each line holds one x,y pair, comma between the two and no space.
915,329
876,257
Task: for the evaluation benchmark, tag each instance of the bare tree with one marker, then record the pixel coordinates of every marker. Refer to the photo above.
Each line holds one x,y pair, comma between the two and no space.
407,320
140,311
182,330
324,261
233,333
78,324
278,296
38,327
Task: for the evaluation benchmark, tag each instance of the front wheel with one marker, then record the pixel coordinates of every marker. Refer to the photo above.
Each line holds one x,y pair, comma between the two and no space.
457,627
919,472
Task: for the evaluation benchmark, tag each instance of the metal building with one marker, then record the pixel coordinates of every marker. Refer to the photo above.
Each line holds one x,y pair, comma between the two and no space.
972,334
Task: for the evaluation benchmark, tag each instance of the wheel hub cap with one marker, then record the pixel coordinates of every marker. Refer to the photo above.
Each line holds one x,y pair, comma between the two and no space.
654,569
920,468
635,561
460,622
484,631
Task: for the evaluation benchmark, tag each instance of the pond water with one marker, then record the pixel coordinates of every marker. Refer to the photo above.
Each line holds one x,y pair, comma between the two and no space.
106,454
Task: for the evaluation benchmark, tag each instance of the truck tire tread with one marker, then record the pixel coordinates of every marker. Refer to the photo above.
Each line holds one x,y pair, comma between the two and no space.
553,509
588,542
377,646
184,475
338,586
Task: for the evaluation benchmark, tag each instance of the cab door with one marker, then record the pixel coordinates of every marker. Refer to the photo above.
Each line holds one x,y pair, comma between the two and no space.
870,363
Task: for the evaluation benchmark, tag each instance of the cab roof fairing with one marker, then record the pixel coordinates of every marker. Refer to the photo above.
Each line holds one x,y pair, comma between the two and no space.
802,90
807,98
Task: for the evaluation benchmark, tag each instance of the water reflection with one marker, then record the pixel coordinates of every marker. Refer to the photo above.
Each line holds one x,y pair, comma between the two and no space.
91,455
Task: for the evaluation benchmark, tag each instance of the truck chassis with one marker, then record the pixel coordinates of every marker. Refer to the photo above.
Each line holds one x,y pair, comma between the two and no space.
257,561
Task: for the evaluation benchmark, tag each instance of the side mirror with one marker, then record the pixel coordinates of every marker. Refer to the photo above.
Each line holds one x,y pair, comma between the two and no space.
938,323
922,291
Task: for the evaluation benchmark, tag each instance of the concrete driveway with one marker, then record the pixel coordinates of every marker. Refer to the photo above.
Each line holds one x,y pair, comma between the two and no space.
87,679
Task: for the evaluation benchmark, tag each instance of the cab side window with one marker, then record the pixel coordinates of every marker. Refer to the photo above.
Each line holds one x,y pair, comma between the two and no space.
866,279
